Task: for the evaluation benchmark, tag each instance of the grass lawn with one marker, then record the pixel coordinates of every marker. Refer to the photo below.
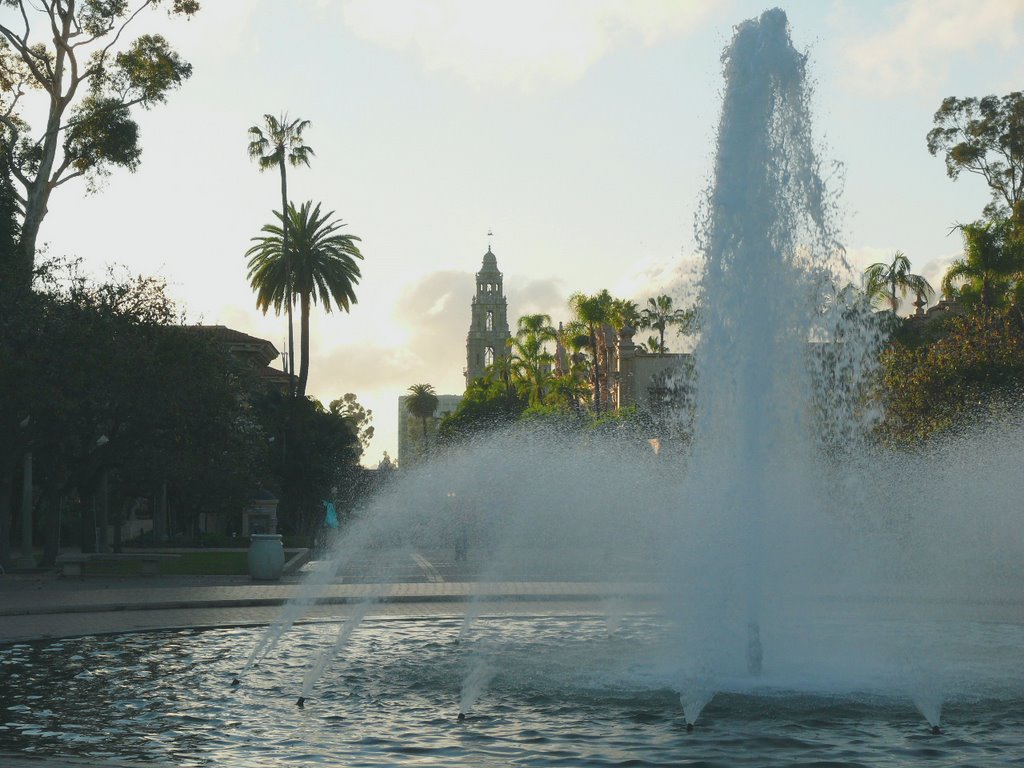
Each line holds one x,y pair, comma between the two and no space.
230,563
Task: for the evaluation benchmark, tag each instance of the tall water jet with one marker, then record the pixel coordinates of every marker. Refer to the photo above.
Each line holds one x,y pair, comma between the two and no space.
770,251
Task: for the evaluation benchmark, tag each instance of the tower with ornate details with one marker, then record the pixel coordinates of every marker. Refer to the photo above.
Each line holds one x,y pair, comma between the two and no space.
488,335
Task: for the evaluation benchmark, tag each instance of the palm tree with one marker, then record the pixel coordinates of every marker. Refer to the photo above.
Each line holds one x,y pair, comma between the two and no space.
593,311
276,145
317,266
625,312
989,263
659,315
530,359
652,345
883,281
421,404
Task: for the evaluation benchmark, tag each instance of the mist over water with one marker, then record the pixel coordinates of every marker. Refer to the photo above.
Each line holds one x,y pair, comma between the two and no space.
782,530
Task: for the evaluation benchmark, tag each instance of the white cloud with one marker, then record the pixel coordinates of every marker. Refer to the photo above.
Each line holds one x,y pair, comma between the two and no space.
925,37
522,44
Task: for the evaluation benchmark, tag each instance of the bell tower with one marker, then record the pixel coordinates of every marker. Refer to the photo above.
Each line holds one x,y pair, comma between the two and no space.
488,335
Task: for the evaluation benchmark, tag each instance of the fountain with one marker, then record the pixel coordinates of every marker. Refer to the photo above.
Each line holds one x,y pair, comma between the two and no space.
785,578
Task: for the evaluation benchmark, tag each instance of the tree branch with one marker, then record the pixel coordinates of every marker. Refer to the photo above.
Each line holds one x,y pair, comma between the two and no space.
145,4
25,53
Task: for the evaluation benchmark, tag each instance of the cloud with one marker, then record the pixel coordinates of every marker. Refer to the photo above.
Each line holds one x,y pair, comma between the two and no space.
527,296
522,44
924,39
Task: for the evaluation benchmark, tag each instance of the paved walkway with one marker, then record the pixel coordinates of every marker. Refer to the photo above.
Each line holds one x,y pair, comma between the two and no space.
44,605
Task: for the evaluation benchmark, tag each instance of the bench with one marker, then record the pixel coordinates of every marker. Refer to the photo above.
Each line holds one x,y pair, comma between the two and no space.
74,565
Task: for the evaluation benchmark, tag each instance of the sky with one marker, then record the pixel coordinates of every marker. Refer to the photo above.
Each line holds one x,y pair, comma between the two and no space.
580,132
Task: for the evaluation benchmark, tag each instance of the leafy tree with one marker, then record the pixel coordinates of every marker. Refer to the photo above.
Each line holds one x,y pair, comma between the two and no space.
109,386
275,146
566,391
360,419
315,451
992,265
885,281
318,266
659,315
986,137
422,404
939,387
71,51
486,405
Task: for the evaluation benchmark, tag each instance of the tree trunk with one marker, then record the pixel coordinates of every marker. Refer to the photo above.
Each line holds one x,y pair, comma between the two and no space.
304,345
286,254
103,511
6,508
597,372
50,510
37,192
160,515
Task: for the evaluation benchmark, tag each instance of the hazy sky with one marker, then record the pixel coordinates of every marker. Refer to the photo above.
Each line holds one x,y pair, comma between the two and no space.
580,131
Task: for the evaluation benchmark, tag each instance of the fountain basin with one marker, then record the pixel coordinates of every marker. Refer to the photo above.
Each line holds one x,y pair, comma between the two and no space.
561,687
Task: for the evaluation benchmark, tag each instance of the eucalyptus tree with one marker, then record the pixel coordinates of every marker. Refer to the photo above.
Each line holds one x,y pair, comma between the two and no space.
318,266
985,137
888,281
422,404
659,315
73,53
277,145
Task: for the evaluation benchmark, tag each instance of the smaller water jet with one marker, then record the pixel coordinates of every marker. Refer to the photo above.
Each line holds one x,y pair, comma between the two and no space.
479,676
694,695
755,654
345,631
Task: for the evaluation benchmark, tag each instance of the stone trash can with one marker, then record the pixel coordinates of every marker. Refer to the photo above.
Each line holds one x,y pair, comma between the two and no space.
266,556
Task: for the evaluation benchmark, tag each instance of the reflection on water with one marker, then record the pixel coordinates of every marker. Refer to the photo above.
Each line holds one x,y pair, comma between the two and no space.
559,691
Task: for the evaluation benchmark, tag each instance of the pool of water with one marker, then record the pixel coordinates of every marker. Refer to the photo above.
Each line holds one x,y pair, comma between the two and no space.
572,691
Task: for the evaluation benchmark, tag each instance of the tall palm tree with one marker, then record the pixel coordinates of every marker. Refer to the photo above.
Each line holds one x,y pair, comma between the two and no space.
659,315
593,311
989,263
421,404
276,145
317,266
884,281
